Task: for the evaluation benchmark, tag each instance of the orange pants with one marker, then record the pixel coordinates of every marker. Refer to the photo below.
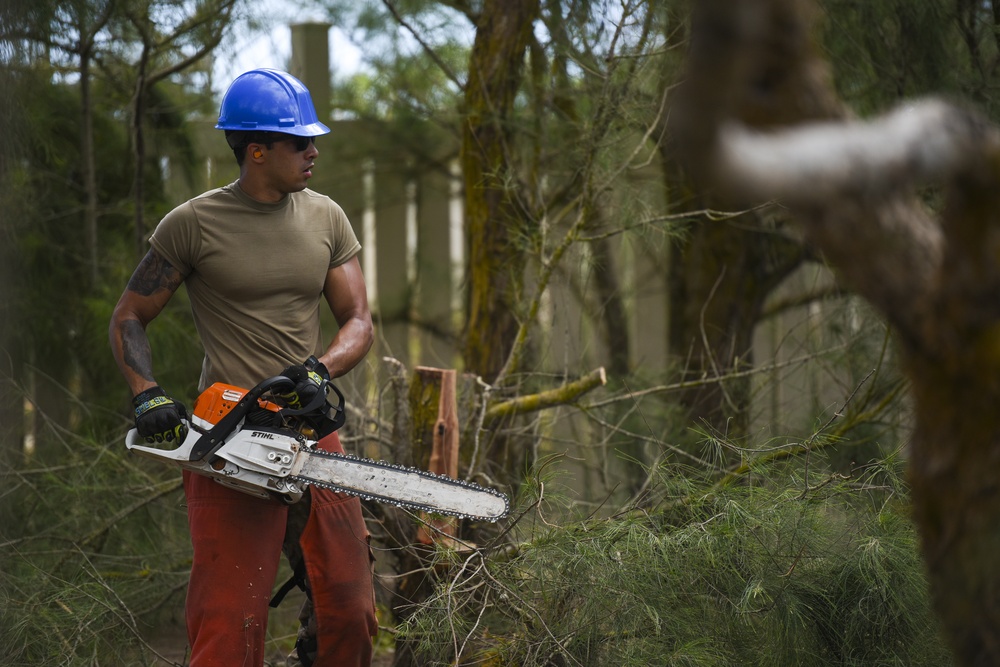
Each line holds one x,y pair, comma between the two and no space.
237,542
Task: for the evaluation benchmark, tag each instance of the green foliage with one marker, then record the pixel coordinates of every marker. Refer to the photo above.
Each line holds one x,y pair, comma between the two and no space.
758,572
93,544
402,81
57,317
887,51
782,574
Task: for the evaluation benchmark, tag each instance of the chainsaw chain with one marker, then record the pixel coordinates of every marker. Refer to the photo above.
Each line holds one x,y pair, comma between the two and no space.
399,503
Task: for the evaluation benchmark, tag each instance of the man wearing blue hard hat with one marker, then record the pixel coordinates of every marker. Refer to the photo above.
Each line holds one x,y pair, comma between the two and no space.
258,256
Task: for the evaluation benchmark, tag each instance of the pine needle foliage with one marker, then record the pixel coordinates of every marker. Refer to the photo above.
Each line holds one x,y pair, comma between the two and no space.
93,554
775,575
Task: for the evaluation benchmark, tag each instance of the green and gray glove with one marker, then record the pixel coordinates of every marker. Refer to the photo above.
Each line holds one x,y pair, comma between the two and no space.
159,418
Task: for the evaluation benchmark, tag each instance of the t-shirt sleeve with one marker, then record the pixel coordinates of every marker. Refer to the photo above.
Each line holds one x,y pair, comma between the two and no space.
345,241
176,238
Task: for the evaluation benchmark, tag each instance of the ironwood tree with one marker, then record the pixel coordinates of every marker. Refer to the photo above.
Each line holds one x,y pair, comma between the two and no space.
759,116
492,214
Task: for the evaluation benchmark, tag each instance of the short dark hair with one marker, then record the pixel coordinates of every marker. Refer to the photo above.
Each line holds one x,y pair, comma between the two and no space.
238,140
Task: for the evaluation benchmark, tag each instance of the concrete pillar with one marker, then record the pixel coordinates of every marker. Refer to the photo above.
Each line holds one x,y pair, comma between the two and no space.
434,266
311,63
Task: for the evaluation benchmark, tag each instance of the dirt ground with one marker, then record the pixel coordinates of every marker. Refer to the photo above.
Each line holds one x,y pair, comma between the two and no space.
175,654
170,642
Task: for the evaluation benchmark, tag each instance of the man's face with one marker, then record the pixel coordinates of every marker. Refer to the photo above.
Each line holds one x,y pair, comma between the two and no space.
289,162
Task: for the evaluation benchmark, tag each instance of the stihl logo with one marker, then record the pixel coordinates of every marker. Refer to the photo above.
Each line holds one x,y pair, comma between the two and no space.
264,436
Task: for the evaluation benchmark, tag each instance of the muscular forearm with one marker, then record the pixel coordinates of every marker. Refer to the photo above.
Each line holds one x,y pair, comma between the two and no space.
349,346
130,347
152,284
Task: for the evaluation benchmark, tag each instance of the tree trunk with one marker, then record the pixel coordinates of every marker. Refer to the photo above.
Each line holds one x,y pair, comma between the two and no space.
723,273
139,151
720,278
493,220
611,309
89,167
936,279
413,558
11,398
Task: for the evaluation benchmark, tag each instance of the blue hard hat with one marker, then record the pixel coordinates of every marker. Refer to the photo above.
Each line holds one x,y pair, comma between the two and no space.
269,100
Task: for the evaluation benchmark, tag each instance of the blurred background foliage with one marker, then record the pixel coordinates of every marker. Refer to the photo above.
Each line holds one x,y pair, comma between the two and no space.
710,536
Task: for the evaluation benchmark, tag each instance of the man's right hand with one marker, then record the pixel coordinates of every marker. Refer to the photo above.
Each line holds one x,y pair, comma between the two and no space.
159,418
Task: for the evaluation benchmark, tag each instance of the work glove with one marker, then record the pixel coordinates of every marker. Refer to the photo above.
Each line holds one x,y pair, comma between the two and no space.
309,377
159,418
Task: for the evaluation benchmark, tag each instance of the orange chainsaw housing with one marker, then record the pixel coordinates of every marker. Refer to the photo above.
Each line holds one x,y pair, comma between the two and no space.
215,402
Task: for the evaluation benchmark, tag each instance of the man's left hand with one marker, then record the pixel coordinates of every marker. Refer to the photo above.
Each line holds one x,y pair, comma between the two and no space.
308,376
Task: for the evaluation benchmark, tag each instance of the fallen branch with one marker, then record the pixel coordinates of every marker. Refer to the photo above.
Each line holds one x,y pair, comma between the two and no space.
560,396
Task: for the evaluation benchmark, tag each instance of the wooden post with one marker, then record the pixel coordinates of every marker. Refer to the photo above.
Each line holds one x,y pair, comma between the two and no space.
444,453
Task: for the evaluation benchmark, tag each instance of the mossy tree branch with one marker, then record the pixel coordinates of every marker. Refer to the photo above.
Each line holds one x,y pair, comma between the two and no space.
564,395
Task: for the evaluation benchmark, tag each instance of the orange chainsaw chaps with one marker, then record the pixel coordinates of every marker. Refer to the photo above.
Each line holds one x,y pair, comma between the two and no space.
215,402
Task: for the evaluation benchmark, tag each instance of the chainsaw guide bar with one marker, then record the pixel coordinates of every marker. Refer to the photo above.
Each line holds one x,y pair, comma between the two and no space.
411,488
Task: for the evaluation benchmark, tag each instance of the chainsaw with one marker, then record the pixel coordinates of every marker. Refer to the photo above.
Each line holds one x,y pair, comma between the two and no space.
246,440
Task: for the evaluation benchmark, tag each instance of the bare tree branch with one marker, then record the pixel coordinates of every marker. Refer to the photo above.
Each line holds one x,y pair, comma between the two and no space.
925,141
424,45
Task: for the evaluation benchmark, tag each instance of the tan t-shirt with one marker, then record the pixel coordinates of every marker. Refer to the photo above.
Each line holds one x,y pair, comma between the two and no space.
255,274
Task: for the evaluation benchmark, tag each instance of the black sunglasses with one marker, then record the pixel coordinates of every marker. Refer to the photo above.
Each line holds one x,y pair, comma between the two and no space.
300,143
238,140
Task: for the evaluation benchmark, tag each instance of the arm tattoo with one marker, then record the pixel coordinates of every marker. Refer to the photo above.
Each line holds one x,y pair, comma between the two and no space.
153,273
135,348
